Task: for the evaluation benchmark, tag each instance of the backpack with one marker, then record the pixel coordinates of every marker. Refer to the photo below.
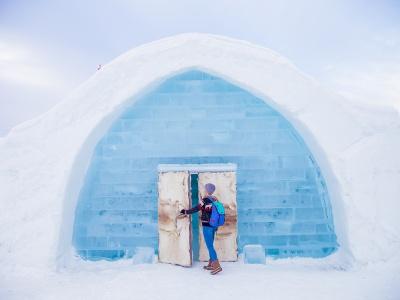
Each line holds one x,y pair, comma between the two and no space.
217,214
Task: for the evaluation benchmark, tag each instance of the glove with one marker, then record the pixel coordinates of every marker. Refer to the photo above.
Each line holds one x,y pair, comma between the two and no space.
183,211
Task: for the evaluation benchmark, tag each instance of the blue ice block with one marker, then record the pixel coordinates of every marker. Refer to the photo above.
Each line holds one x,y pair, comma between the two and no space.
254,254
143,255
198,118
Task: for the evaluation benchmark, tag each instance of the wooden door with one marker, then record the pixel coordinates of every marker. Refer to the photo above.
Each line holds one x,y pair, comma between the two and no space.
226,238
174,232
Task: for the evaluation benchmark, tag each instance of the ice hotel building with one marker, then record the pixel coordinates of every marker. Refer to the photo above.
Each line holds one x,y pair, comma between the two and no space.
299,169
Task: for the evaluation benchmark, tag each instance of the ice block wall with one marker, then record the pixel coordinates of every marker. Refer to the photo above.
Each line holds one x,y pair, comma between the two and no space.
194,117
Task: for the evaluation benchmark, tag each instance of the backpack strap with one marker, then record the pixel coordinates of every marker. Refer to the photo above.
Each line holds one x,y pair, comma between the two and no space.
212,198
220,207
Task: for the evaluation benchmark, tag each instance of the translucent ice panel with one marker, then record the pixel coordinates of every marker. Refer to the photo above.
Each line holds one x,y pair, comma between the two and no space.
143,255
198,118
254,254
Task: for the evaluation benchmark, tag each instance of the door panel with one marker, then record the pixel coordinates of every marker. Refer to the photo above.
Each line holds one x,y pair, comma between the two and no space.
174,233
226,238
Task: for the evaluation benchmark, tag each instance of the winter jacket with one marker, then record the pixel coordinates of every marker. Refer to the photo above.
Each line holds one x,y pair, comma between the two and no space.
205,212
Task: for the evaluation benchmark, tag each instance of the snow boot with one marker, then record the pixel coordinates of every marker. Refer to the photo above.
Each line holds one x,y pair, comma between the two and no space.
216,267
208,267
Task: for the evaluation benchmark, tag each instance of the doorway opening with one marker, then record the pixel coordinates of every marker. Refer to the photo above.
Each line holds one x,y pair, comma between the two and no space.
194,196
180,237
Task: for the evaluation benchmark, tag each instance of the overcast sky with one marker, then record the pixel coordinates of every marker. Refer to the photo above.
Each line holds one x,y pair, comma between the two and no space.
49,47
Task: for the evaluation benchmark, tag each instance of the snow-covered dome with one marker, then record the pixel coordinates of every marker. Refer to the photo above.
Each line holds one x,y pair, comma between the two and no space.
44,161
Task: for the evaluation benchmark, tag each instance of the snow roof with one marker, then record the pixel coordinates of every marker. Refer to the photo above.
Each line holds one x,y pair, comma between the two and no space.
43,161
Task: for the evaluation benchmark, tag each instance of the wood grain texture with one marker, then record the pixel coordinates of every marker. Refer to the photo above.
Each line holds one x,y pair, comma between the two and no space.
174,233
226,238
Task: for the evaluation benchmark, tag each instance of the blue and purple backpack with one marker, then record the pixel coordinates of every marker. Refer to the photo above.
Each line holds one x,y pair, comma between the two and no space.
217,214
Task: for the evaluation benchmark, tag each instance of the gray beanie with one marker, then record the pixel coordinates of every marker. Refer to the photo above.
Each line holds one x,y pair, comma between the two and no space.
210,188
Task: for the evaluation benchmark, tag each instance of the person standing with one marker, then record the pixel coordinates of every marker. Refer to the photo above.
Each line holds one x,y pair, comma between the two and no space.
205,206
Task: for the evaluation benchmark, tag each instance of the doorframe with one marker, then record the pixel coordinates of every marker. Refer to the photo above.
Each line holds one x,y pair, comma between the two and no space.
197,168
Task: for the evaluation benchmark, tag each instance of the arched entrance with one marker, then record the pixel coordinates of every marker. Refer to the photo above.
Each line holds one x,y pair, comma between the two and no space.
198,118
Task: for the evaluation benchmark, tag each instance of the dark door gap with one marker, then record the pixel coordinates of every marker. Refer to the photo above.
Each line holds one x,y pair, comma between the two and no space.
194,194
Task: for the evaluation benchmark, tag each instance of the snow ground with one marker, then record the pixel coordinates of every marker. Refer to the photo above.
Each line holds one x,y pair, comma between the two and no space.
281,279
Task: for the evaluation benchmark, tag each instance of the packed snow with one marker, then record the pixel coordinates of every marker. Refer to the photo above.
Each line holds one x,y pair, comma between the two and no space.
285,279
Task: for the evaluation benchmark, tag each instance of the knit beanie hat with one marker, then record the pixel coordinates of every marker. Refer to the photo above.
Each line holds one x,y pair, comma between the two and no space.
210,188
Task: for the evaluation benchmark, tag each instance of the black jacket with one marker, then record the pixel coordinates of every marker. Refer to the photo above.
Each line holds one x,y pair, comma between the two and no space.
205,212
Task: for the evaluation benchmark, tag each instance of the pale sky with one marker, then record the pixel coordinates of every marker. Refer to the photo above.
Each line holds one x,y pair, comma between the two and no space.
49,47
